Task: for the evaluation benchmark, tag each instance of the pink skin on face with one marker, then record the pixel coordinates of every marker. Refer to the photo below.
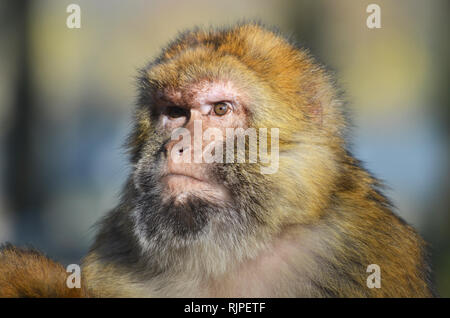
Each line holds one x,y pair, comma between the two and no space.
184,178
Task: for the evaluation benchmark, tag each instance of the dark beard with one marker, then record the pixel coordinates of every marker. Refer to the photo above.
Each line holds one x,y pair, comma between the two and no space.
184,219
158,234
172,234
155,215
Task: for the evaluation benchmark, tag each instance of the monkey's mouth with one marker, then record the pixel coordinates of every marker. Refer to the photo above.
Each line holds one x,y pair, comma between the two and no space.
182,184
183,176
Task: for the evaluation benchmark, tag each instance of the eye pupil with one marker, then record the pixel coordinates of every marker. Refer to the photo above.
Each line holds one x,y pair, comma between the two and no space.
176,112
220,109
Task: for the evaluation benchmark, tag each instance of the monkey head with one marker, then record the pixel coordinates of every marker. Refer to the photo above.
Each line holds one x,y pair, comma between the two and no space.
204,85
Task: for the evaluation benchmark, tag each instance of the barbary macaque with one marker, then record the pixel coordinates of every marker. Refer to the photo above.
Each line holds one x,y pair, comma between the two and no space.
198,218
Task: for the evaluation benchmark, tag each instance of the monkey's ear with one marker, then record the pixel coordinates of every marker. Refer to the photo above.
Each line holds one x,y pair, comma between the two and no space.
28,273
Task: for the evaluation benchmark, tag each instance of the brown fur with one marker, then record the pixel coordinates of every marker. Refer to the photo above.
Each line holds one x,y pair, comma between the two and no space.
28,273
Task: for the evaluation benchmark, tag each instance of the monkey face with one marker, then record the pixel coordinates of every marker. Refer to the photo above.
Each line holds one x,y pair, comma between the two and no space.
188,115
187,192
190,125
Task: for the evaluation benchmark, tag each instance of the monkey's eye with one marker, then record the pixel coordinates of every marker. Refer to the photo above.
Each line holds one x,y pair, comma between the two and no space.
175,112
221,108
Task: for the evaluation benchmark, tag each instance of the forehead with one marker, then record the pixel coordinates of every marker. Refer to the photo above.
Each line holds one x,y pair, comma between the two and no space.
202,92
200,76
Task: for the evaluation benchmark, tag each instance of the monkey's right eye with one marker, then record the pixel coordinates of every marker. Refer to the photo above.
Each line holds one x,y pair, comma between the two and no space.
176,112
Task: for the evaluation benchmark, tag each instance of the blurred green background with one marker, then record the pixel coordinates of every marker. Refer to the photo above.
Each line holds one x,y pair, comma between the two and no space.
66,99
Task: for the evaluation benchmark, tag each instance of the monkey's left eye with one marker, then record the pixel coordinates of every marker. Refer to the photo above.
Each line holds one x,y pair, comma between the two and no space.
221,108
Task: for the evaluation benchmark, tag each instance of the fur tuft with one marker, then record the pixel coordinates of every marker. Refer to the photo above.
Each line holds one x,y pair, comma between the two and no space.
27,273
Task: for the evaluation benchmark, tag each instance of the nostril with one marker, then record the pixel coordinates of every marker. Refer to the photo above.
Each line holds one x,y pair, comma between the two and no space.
177,150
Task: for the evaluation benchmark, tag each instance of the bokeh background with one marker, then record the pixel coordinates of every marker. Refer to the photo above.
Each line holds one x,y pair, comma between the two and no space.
66,99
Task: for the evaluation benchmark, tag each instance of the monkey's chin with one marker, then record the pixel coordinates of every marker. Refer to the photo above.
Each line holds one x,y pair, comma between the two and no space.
182,187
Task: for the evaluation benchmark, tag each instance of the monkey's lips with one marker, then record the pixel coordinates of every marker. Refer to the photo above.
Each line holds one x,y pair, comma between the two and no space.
183,176
180,183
